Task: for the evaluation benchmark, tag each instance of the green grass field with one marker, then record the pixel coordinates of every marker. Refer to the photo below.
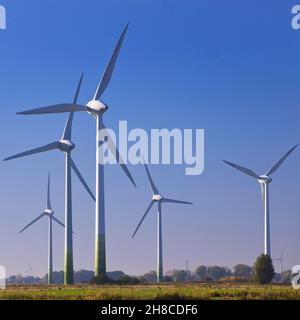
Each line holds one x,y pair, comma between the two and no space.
153,292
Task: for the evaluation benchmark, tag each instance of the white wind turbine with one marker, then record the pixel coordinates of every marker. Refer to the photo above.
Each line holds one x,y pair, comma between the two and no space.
96,108
66,146
264,181
159,199
280,260
50,214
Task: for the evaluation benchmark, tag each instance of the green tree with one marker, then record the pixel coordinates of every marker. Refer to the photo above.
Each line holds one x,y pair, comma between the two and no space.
242,271
83,276
286,277
57,277
128,280
150,277
217,273
178,275
101,279
201,272
263,269
168,279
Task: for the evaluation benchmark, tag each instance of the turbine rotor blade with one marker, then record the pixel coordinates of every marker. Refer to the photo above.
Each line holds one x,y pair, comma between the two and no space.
243,169
143,218
153,186
48,194
58,108
78,89
166,200
280,162
114,150
67,135
110,67
32,222
57,221
47,147
80,177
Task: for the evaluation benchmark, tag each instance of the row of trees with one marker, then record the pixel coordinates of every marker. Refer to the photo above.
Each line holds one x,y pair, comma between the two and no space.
81,276
261,272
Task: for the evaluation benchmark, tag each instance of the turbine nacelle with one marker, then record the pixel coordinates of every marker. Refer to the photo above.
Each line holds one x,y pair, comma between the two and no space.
157,197
97,107
66,145
49,212
265,179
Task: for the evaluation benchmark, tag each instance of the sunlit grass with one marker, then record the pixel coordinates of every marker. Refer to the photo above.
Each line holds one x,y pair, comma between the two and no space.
169,292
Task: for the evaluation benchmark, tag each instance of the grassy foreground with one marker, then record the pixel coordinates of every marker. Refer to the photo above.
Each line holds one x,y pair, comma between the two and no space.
153,292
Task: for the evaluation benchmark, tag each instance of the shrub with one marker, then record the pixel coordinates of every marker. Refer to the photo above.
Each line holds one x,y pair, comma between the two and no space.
127,280
242,270
101,279
263,270
168,279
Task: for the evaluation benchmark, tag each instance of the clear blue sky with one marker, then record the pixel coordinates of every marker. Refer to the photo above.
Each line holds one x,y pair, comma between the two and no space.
228,67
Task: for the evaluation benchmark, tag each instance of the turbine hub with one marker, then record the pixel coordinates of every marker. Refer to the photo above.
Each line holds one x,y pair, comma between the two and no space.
97,106
49,212
66,145
265,179
157,197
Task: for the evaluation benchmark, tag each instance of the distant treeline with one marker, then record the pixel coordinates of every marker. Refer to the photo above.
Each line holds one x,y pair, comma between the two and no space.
239,273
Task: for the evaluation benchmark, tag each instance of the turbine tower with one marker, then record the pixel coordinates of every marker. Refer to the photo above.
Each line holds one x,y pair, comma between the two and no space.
96,108
66,146
264,181
50,214
159,199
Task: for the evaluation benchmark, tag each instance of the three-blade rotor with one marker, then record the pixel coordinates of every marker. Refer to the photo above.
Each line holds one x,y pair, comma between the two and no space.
103,84
264,179
75,107
268,173
156,198
47,213
64,145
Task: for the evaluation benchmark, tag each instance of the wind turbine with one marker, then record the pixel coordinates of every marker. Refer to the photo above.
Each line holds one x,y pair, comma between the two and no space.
30,270
50,214
264,181
159,199
96,108
280,260
66,146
